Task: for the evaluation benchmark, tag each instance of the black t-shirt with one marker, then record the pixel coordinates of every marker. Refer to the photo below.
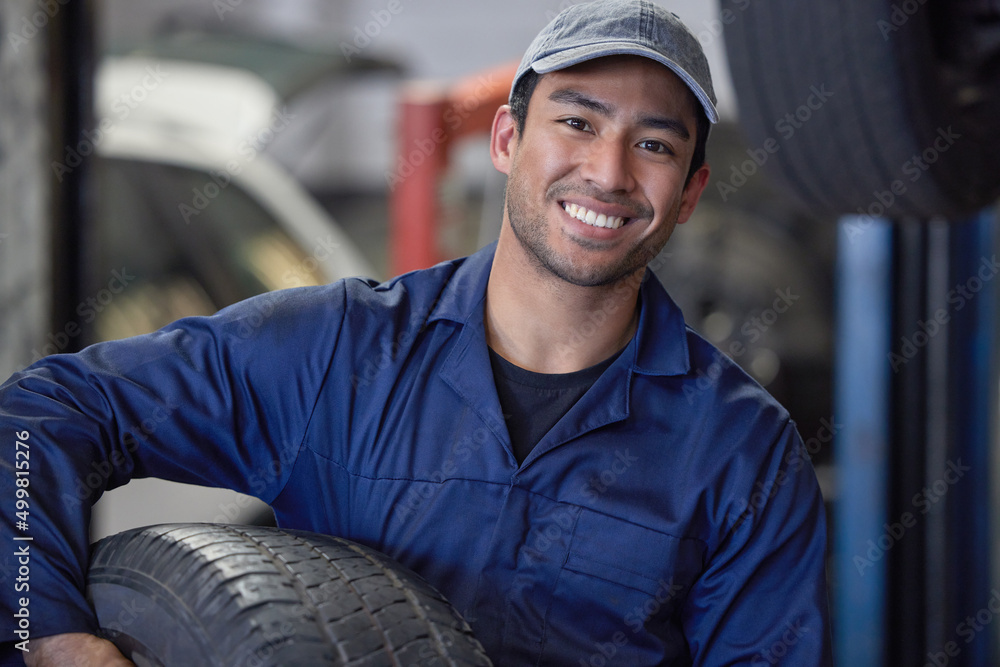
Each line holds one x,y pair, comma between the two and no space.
532,402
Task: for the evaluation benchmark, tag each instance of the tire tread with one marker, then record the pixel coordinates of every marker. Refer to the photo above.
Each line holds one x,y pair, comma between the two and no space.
236,587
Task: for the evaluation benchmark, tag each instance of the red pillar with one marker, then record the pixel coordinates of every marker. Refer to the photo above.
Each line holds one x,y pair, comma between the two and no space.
420,162
430,119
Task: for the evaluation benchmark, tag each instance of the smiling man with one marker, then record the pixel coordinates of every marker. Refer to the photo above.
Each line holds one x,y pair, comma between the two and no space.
586,479
598,179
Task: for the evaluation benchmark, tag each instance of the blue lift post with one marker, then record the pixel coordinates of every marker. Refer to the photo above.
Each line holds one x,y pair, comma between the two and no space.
861,404
916,390
973,396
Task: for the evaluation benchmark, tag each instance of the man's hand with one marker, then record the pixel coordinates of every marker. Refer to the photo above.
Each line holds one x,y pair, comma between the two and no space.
74,649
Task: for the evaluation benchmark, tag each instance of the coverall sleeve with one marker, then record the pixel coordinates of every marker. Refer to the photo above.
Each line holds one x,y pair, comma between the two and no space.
762,599
220,401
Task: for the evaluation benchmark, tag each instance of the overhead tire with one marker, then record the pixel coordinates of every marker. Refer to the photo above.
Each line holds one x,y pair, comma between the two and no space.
247,596
882,107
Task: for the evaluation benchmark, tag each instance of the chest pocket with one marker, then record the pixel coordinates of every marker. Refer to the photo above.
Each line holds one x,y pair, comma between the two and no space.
619,593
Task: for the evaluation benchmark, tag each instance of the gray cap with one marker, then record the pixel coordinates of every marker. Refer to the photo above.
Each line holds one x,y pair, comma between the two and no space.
622,27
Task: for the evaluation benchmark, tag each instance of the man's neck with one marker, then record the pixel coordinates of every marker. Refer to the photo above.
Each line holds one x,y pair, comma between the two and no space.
544,324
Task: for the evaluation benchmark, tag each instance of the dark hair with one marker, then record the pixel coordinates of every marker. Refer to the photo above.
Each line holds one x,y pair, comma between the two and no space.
526,87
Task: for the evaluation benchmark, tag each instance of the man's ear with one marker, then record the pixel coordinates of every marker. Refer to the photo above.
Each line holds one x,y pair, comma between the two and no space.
692,193
503,139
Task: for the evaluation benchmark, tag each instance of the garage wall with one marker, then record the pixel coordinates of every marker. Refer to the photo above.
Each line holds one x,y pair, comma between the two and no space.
24,184
432,39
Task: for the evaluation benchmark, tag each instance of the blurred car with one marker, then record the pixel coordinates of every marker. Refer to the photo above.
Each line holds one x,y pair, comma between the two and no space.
191,216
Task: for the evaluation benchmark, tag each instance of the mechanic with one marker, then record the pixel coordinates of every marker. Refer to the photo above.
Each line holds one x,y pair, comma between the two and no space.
586,479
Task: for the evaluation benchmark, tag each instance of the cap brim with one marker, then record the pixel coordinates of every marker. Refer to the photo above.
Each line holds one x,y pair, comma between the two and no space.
580,54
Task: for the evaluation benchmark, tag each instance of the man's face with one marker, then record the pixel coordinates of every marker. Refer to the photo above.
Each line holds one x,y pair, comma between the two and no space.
607,142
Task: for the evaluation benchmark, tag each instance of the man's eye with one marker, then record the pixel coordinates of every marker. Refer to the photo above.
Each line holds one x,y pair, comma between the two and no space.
654,146
578,124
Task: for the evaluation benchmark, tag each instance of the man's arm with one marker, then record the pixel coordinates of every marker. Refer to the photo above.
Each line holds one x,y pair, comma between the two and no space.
762,599
74,650
221,401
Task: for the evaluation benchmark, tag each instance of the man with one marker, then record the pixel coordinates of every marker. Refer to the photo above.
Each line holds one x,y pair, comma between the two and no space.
537,432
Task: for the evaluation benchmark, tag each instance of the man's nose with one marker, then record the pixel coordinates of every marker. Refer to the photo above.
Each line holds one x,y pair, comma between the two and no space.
607,164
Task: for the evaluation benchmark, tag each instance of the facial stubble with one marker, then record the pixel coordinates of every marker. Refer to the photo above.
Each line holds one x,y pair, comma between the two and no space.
530,228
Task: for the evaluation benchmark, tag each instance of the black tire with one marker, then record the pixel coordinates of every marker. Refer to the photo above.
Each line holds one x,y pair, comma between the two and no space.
906,78
247,596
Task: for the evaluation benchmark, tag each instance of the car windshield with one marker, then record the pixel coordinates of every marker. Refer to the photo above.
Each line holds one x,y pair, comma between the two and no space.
181,250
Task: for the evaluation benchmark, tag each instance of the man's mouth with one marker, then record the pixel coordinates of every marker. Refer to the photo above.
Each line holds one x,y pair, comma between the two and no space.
593,218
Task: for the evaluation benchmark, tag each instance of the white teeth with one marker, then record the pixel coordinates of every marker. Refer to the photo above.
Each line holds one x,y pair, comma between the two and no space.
593,218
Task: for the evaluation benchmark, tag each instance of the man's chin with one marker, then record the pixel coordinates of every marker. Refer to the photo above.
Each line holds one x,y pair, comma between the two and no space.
585,275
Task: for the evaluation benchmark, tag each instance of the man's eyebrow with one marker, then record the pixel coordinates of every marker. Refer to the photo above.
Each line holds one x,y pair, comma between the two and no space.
576,98
672,125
